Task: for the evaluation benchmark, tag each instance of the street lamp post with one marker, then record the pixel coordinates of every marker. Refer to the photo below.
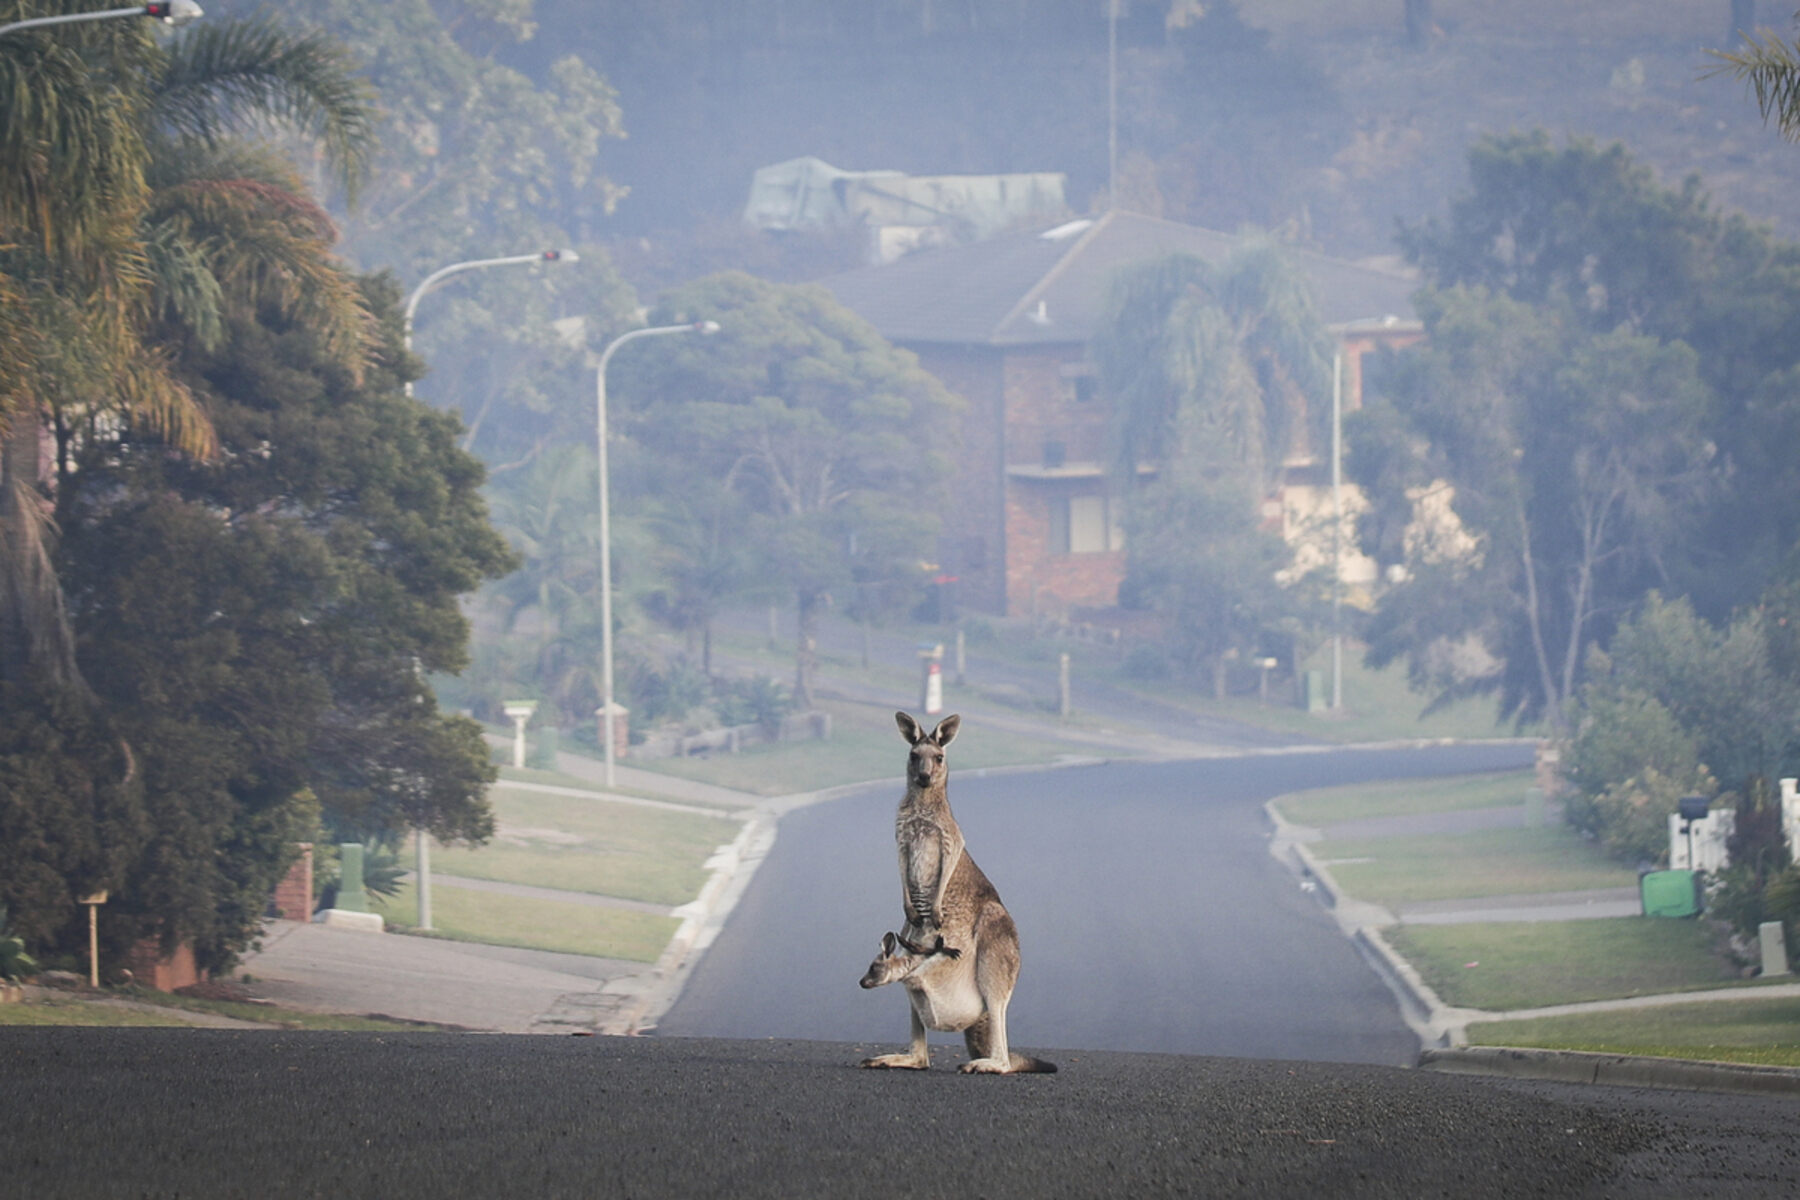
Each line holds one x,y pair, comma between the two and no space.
606,636
431,280
173,12
412,306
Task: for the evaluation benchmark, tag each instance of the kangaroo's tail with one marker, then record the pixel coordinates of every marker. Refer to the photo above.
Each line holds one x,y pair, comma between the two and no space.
1024,1064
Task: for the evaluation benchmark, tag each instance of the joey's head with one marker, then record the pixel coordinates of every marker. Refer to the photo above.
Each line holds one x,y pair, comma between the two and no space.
899,959
889,965
926,766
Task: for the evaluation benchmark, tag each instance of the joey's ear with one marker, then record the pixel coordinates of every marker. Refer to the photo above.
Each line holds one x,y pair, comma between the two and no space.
909,728
945,733
888,942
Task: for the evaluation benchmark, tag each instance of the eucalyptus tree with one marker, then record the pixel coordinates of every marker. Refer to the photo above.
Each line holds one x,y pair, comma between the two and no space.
830,438
1556,254
1574,464
478,159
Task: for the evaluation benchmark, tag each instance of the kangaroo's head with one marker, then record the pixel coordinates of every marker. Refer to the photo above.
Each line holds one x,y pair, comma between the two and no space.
926,766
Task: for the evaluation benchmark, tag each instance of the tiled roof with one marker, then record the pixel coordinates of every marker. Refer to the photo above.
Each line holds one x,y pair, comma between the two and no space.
1049,286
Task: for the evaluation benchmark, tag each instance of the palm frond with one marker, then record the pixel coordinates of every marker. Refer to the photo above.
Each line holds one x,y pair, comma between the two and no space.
1771,68
225,77
268,244
70,156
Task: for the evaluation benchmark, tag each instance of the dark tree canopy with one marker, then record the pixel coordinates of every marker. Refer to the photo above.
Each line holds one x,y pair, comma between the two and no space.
255,630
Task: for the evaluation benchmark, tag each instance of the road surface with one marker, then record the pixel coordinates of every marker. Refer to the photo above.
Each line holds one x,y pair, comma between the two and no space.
103,1113
1151,915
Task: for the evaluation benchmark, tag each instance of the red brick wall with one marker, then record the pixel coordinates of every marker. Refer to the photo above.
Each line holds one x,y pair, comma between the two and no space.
153,969
294,894
1042,581
1041,407
972,545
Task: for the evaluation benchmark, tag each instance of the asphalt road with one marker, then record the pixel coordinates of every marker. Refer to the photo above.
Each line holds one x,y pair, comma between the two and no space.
101,1113
1151,915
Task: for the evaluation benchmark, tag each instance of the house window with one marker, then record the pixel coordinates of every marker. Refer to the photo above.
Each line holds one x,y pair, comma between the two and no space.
1084,525
1080,383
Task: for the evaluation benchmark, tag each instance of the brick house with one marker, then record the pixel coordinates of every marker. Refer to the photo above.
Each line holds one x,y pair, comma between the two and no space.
1033,527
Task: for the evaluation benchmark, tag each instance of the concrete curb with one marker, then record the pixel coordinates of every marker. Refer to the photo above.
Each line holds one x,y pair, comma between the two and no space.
1443,1029
1615,1070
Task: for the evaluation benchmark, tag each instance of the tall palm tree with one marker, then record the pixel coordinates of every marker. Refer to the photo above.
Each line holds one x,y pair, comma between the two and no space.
1229,355
126,206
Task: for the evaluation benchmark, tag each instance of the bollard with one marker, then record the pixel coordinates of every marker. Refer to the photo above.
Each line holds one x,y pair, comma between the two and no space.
351,897
1774,948
1063,706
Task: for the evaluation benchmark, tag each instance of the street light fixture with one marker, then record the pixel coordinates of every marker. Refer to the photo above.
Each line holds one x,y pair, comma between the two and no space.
431,280
172,12
606,638
412,305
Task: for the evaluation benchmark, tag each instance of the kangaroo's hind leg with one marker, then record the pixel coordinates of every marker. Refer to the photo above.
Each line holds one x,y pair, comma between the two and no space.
996,970
918,1058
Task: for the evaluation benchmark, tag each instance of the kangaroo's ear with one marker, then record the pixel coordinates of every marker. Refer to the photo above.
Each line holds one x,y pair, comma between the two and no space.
945,733
888,942
909,728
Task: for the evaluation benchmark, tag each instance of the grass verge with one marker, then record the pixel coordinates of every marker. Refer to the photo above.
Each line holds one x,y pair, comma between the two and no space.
1410,797
1488,862
94,1012
497,919
864,745
578,844
60,1010
1531,964
1378,705
1739,1031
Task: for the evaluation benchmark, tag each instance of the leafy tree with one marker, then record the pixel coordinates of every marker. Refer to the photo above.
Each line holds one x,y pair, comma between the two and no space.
1215,373
828,436
479,160
1588,230
103,151
256,628
1678,704
1571,459
251,619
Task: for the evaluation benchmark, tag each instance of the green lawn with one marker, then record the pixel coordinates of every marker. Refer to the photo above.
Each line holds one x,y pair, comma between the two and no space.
1489,862
1378,705
1408,797
559,779
579,844
69,1011
496,919
1744,1031
72,1010
864,745
1530,964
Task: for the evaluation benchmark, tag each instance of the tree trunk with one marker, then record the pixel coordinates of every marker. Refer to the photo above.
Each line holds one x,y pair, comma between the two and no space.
34,627
806,648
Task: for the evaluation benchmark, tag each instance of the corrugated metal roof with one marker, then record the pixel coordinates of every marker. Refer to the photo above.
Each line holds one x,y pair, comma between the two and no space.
1050,286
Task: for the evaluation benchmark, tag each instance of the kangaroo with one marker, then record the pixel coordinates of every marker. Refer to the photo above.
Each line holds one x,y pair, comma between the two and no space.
959,953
